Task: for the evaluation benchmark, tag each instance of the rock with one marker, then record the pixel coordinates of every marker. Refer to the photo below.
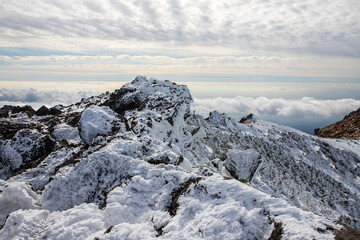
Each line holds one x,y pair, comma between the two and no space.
42,111
242,164
4,113
348,128
28,110
25,150
248,119
124,99
55,111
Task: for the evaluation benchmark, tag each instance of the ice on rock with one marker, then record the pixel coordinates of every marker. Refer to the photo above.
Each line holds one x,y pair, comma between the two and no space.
65,132
14,196
137,164
242,164
94,121
25,225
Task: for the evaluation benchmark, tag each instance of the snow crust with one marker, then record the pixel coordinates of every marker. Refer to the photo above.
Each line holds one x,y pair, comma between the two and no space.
142,166
94,121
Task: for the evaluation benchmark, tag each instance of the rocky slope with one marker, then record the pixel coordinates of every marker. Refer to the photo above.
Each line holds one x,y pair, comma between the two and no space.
348,128
138,164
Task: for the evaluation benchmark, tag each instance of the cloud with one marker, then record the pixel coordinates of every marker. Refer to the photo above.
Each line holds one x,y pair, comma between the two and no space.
264,108
305,114
319,27
37,98
222,65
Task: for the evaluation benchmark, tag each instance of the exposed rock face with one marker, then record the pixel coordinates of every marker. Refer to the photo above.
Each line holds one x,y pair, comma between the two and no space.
136,164
248,119
42,111
348,128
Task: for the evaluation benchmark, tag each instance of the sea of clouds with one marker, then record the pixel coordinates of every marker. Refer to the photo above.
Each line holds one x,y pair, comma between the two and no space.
304,113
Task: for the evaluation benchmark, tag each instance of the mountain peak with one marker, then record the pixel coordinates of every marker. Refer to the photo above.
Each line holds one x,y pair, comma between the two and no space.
138,158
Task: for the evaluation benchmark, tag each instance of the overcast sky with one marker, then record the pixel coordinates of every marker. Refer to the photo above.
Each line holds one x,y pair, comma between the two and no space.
109,39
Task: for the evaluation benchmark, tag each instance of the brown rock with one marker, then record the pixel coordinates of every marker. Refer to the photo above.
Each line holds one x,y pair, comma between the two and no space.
348,128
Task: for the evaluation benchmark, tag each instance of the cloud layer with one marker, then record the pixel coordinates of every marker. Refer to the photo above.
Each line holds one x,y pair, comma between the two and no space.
38,98
217,38
203,65
305,113
321,27
264,108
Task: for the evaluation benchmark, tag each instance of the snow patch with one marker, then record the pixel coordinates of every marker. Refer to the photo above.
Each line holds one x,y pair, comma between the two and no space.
94,121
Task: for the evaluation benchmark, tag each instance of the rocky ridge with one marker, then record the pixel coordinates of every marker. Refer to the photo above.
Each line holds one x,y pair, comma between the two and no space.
138,164
348,128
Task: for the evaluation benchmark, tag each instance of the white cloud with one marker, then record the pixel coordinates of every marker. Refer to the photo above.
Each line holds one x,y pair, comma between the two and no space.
321,27
222,65
264,108
38,98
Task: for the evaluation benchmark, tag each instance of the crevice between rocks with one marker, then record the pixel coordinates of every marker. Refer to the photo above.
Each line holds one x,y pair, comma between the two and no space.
175,195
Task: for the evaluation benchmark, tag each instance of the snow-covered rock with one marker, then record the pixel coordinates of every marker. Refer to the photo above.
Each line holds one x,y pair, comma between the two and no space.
137,164
95,121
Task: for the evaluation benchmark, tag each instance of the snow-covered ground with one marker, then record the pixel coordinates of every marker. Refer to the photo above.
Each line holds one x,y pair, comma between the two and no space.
138,164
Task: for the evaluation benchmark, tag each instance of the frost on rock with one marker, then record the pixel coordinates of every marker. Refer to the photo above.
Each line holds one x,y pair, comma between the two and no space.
64,132
137,164
14,196
94,121
242,164
23,151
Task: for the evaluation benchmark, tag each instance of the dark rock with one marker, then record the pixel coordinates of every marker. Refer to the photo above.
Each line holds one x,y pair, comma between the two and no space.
42,111
73,119
25,109
277,232
9,129
31,146
4,113
175,195
316,131
124,99
55,111
347,233
28,110
193,132
353,113
247,119
161,159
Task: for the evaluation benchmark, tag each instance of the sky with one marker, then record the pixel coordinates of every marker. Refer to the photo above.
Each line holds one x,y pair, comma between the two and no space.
296,49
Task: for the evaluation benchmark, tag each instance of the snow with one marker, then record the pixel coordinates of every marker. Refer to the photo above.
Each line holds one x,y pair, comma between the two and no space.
25,225
94,121
156,171
14,196
65,132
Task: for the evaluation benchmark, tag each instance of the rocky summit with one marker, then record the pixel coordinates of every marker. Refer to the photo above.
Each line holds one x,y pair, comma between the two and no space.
348,128
138,163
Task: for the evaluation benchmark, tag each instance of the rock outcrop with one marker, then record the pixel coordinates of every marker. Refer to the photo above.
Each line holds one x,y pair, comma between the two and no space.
137,164
348,128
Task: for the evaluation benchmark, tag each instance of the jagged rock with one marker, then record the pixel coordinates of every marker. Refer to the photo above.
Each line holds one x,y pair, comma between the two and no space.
42,111
8,129
137,159
55,111
348,128
28,110
73,119
242,164
4,113
248,119
25,150
124,99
